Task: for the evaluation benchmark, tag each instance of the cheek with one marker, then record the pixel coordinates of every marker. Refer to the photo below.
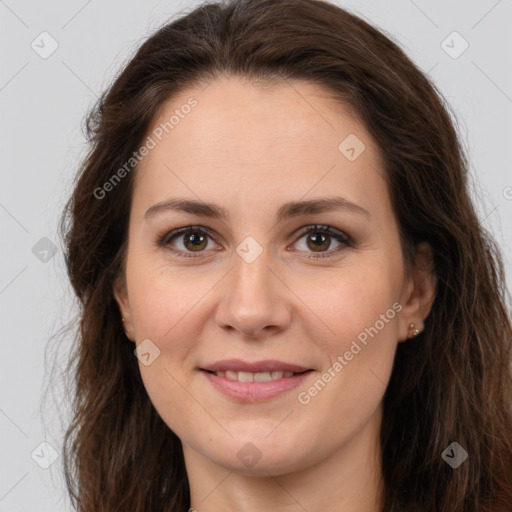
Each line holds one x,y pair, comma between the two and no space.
361,311
163,300
165,307
352,303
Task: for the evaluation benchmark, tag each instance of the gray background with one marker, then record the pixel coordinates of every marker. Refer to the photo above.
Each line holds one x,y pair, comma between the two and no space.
43,102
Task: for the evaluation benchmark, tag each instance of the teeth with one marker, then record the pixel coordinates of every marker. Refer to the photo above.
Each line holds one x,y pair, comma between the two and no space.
253,377
245,377
263,377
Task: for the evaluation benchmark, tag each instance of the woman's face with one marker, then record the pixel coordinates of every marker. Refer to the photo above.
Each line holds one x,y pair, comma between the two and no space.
246,292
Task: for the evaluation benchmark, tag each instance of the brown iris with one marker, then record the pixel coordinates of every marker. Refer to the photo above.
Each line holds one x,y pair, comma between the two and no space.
196,239
318,240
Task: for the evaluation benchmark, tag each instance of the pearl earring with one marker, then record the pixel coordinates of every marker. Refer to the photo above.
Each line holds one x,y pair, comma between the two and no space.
126,330
413,331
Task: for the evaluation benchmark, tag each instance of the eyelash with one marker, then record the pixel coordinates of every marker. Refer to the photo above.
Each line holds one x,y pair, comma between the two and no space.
344,239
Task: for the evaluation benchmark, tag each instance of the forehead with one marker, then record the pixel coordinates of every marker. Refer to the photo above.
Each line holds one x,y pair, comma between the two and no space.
288,139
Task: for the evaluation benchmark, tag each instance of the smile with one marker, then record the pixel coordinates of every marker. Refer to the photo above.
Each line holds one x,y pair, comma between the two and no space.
233,379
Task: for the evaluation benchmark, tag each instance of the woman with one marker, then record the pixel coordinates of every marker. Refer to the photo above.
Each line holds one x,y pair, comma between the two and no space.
274,218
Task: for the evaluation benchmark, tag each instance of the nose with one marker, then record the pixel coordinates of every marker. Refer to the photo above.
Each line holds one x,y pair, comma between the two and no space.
254,299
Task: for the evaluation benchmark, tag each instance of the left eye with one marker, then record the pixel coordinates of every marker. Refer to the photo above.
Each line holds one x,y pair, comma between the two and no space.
321,239
195,240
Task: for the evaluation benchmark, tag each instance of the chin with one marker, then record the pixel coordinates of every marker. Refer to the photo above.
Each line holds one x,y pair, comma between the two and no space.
257,454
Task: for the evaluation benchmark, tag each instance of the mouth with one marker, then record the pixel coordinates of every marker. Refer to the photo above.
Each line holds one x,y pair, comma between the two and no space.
254,382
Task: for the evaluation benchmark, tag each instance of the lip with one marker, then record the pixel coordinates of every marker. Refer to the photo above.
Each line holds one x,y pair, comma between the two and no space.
238,365
244,392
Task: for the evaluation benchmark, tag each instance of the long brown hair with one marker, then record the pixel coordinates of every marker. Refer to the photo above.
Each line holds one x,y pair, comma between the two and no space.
453,384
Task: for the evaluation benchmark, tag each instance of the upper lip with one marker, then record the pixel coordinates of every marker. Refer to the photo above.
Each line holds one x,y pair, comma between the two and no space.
238,365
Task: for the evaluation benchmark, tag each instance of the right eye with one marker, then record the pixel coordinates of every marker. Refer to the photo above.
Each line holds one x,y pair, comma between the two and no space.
193,239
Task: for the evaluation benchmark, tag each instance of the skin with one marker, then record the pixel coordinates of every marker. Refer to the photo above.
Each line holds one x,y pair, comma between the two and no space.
250,149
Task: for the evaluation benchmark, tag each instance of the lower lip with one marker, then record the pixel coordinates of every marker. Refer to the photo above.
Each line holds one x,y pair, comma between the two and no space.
255,391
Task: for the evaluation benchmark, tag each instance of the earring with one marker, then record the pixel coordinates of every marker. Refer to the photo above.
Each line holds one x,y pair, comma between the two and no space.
126,330
413,331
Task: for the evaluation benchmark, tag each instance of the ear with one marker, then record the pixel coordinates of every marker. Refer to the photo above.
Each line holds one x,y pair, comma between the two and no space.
418,293
120,293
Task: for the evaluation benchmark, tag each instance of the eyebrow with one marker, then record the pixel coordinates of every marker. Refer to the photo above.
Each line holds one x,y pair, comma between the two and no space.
286,211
